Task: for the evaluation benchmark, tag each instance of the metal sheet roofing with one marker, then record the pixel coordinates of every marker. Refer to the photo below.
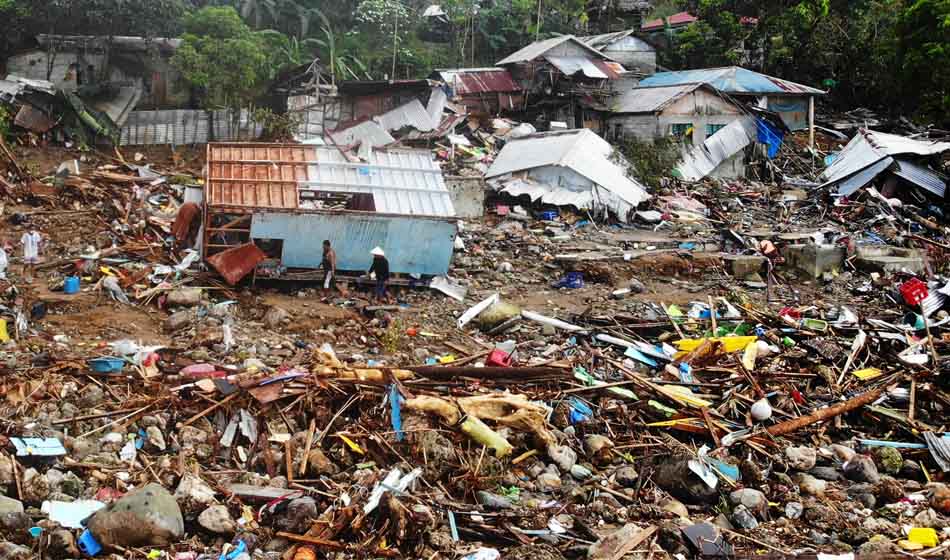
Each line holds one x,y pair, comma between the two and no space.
479,80
731,79
539,48
607,39
405,182
706,157
868,147
921,176
649,99
680,18
570,65
579,150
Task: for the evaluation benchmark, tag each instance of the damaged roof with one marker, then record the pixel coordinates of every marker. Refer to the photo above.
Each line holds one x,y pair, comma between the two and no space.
468,81
605,40
676,20
539,48
650,99
581,150
870,153
731,79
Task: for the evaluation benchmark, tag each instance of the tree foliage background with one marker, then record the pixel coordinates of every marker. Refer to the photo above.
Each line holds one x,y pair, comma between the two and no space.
890,55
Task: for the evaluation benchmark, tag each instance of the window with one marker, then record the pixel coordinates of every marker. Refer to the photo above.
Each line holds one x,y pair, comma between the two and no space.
681,130
618,132
713,128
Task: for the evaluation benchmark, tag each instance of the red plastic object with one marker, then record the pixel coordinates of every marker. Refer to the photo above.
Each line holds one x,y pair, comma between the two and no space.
790,312
498,358
914,291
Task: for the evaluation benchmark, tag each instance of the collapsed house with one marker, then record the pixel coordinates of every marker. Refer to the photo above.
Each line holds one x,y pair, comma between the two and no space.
482,90
565,80
268,207
635,54
794,102
573,168
898,160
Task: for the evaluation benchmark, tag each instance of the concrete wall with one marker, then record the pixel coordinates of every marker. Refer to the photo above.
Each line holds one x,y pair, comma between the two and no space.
468,195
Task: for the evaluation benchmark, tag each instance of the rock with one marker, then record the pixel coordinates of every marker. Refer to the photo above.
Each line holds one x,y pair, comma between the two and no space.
493,501
185,297
16,525
6,470
801,458
191,436
177,321
563,456
636,286
830,474
743,517
674,506
627,476
149,516
10,551
842,452
608,547
36,487
275,317
810,486
194,494
217,519
72,485
62,544
319,464
861,468
888,490
755,500
596,446
940,497
549,482
793,510
10,505
928,518
888,459
581,472
299,515
878,546
673,475
91,396
156,439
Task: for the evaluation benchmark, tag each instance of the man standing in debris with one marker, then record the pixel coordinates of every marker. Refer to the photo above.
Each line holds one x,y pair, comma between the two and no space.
329,265
32,243
379,269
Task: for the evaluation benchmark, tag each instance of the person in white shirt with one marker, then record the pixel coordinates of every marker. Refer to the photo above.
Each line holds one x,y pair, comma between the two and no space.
3,261
32,243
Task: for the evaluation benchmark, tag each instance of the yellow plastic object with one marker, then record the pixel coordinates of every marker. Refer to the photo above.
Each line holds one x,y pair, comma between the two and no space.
924,536
684,395
351,444
867,373
729,343
4,336
448,359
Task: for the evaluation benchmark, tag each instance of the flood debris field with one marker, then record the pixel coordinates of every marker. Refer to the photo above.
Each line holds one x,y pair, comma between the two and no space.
750,369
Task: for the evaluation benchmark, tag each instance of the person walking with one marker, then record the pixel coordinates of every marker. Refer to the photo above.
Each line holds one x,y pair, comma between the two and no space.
32,242
379,270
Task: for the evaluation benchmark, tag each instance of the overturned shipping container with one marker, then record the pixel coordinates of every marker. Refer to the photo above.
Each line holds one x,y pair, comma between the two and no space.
287,199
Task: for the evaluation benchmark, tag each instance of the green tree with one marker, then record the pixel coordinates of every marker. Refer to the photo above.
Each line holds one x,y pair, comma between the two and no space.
222,58
924,51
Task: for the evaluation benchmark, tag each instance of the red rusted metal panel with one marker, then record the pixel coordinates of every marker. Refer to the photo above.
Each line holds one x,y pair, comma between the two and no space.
257,175
31,118
483,81
234,264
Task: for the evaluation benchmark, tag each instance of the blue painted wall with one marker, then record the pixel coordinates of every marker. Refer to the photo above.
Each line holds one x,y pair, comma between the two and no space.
412,245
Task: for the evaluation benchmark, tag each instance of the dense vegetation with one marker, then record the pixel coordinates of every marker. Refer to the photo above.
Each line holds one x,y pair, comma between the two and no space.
891,55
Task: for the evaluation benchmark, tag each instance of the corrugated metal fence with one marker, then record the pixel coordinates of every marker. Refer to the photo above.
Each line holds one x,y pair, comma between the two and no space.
183,127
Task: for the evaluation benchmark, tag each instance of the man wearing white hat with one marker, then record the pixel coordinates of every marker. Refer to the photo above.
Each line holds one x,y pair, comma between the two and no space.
380,271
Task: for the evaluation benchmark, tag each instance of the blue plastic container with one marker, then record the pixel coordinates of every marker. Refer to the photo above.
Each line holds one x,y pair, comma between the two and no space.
71,285
106,364
549,215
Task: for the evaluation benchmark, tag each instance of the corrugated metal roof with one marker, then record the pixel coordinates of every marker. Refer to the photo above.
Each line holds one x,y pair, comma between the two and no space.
405,182
579,150
680,18
479,80
538,48
868,148
600,41
257,175
236,263
411,114
570,65
706,157
921,176
649,99
401,181
731,79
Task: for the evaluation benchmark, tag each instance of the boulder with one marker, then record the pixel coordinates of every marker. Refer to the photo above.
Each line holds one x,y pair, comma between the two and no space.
217,519
148,516
801,458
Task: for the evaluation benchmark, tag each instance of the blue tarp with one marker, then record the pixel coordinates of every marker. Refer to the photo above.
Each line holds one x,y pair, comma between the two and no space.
769,135
731,79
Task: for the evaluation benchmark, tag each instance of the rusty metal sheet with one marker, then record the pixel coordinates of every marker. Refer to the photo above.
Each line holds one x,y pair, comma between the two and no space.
234,264
33,119
479,80
257,175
